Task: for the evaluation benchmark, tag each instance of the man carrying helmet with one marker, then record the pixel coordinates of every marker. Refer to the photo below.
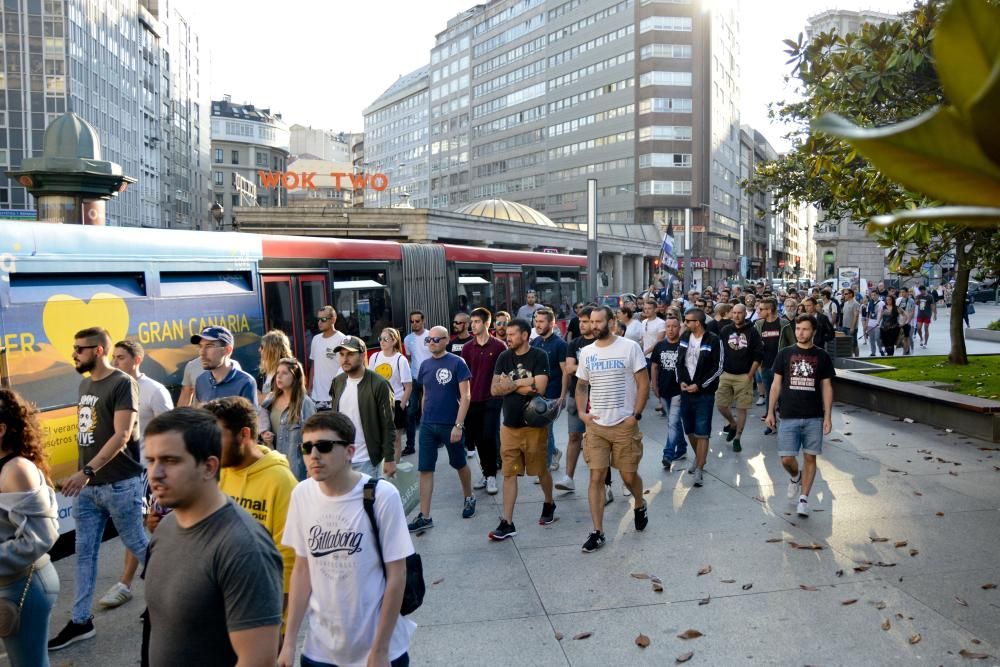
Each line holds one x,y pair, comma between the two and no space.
521,374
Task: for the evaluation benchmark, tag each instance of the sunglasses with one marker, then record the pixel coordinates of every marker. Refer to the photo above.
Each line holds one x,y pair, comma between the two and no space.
326,319
387,339
323,446
435,339
457,322
501,324
81,348
690,321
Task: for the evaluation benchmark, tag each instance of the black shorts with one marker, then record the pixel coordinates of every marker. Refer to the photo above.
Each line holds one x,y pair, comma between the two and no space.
906,329
398,416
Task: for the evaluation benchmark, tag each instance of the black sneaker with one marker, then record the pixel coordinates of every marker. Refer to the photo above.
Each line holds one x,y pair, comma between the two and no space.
72,633
594,542
737,447
408,450
730,432
665,462
503,531
420,523
548,514
768,430
641,518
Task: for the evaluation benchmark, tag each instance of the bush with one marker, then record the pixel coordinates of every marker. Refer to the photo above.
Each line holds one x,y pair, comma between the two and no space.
994,326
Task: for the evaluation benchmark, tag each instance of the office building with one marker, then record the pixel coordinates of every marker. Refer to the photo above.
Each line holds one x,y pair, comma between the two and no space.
318,144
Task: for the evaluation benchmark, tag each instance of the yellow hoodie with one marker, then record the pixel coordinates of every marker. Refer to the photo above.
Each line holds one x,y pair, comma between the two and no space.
264,489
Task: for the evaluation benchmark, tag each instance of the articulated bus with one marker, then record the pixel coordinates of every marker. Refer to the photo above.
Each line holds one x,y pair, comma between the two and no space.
161,286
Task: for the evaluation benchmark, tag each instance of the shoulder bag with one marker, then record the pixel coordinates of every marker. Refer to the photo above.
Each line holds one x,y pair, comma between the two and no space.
413,588
10,613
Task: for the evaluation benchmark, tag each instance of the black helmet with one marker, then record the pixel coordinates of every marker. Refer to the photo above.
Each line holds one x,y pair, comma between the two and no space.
540,412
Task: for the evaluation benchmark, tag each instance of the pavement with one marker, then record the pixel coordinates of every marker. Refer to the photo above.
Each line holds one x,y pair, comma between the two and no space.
906,521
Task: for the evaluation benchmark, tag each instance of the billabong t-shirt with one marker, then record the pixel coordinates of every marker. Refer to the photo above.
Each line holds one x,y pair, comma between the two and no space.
441,379
95,422
802,373
611,373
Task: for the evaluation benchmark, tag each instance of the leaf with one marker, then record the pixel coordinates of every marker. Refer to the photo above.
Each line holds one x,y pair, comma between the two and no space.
642,641
684,657
583,635
840,573
938,513
690,634
961,601
886,625
988,587
808,588
656,580
747,587
915,639
705,570
559,636
862,568
976,217
657,588
760,500
969,655
640,575
880,605
845,603
704,601
917,493
913,552
772,540
437,581
729,581
879,539
900,544
965,49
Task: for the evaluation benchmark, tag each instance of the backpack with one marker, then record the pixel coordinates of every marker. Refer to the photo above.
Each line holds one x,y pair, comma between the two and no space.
413,588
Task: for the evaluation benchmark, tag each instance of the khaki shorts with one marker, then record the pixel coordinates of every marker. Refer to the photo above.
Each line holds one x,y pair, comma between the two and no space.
735,387
619,446
523,450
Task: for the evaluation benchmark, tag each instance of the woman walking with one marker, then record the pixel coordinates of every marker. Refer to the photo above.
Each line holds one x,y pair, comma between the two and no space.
890,326
274,346
288,406
29,526
391,365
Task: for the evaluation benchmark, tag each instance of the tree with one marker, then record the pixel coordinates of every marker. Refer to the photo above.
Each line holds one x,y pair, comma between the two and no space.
882,75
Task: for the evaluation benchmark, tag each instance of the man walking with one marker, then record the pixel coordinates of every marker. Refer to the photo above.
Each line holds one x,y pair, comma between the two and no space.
699,366
460,333
574,424
926,309
527,311
416,346
522,372
366,398
851,312
612,374
652,333
668,392
445,378
324,358
223,379
483,419
554,347
213,572
907,318
108,484
743,354
769,327
803,384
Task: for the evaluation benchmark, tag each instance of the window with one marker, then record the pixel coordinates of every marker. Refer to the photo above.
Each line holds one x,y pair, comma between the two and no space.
261,159
658,78
665,160
236,157
218,177
197,283
665,105
218,156
37,288
665,187
665,133
278,305
671,23
665,51
362,302
474,290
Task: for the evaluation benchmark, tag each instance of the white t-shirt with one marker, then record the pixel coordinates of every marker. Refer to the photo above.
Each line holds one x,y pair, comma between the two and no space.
633,330
417,349
194,368
154,399
334,535
691,358
651,333
395,369
611,373
326,364
349,408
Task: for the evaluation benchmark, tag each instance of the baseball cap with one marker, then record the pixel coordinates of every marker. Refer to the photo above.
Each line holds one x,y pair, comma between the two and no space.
221,334
352,344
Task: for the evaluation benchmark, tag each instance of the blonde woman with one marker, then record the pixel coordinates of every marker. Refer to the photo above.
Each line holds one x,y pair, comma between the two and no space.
274,346
391,365
287,407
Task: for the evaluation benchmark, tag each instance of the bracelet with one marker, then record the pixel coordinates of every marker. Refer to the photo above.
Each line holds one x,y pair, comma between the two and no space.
460,427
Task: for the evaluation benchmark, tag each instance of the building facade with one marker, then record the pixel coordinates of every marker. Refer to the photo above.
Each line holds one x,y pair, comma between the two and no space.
132,69
246,142
315,143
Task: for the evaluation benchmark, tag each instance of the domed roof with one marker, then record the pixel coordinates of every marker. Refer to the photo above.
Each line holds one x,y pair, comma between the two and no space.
72,137
501,209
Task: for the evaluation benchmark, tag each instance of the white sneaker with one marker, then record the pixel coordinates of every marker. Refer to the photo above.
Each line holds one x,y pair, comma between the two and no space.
794,487
803,508
116,596
760,400
625,491
481,484
609,497
556,458
491,485
470,455
693,466
566,484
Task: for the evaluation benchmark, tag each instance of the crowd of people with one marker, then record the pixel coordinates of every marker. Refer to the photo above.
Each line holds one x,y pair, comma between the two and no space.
266,479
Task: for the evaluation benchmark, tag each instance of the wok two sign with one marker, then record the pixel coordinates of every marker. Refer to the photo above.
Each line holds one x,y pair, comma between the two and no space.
305,180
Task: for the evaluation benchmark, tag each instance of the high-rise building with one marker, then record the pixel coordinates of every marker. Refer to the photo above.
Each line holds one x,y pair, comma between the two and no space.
318,144
527,99
245,142
132,69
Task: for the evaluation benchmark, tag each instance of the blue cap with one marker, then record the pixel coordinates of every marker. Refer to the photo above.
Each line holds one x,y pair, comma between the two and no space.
221,334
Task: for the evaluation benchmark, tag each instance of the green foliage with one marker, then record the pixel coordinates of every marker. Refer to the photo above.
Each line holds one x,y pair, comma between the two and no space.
994,325
981,377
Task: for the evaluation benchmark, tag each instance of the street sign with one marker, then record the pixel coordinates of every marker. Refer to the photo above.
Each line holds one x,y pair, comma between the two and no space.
16,214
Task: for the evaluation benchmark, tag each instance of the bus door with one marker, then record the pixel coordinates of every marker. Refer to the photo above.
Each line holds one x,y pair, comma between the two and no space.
508,288
363,297
291,302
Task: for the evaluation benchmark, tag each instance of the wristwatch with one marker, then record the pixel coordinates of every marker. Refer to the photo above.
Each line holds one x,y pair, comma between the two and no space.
460,427
89,472
637,415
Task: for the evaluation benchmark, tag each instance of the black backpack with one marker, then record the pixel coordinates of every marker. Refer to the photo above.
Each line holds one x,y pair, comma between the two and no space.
413,589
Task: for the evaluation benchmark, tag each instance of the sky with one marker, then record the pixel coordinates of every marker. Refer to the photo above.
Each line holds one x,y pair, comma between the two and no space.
322,62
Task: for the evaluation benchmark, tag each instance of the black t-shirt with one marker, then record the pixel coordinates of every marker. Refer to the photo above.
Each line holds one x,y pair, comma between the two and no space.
573,351
456,344
924,303
517,367
98,403
802,372
770,335
665,357
573,327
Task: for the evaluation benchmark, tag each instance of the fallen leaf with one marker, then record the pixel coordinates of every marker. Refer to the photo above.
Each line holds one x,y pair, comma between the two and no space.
760,500
690,634
886,624
747,587
559,636
810,547
953,473
705,570
642,641
657,588
917,493
684,657
900,544
808,588
640,575
969,655
771,540
961,601
938,513
437,581
656,580
915,639
876,539
976,642
881,564
848,602
913,552
583,635
988,587
840,573
862,568
729,581
646,492
818,509
880,605
893,470
704,601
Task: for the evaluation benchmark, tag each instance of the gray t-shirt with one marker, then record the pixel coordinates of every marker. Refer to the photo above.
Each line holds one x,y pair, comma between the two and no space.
96,424
233,583
851,308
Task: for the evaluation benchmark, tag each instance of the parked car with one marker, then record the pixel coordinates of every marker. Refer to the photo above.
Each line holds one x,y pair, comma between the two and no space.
615,301
982,291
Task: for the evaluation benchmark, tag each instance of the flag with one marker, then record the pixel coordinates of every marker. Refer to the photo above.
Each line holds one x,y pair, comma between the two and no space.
668,262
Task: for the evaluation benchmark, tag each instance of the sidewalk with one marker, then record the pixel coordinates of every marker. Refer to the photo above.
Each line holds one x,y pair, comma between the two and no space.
506,603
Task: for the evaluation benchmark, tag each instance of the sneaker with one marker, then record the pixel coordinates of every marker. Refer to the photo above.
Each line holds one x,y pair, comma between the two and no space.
699,476
609,497
666,463
420,523
480,485
409,449
556,458
737,447
730,432
538,480
625,491
470,508
491,486
803,508
72,633
548,514
116,596
760,400
594,542
503,531
470,454
679,457
693,467
641,518
566,484
768,430
794,487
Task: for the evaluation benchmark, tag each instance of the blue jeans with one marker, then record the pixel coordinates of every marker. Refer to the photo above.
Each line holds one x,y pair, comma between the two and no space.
795,435
29,647
551,450
766,378
413,413
122,503
401,661
676,445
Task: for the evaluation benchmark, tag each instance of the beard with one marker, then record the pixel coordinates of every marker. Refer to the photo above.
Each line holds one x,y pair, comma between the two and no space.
86,366
600,333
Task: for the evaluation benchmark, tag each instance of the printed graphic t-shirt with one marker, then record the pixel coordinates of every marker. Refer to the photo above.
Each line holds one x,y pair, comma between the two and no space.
611,373
665,356
96,425
802,372
518,367
326,364
441,379
335,536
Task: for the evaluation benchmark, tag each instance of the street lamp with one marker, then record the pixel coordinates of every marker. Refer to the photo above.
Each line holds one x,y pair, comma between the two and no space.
217,212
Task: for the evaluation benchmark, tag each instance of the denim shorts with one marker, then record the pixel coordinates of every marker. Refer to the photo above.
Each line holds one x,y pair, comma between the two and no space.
696,413
431,435
800,434
573,422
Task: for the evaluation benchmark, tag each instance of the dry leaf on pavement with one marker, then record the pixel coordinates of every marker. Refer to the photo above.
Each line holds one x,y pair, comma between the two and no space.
656,580
886,624
704,601
747,587
690,634
684,657
559,636
847,602
900,544
969,655
729,581
880,605
642,641
938,513
915,639
879,539
808,588
705,570
961,601
914,552
583,635
640,575
771,540
437,581
988,587
657,588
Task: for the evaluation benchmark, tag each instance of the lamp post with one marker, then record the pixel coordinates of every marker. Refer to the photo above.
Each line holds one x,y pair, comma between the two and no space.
592,258
217,213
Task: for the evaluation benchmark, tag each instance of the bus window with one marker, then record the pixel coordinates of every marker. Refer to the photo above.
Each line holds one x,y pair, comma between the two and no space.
547,287
474,291
312,292
38,287
363,304
278,305
199,284
570,284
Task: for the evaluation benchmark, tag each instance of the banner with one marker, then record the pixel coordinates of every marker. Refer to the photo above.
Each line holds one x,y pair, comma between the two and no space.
668,261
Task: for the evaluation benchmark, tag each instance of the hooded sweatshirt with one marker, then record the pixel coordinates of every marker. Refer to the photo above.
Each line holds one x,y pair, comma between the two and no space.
29,526
264,489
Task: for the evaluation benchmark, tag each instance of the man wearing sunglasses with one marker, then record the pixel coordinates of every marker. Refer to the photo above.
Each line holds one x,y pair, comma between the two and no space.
447,395
460,333
700,360
416,347
324,357
500,322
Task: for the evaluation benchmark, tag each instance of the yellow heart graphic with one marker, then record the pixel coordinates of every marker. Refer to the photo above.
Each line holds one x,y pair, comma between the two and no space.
64,315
